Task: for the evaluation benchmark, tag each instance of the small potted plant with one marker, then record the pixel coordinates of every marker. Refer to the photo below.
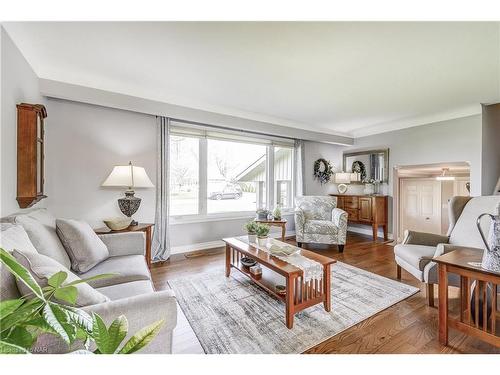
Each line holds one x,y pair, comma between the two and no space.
277,213
251,227
262,214
262,231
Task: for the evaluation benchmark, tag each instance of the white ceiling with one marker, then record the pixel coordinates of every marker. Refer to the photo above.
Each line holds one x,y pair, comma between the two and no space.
351,78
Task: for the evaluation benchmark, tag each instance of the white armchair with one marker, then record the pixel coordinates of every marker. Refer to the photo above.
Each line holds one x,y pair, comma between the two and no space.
318,220
417,250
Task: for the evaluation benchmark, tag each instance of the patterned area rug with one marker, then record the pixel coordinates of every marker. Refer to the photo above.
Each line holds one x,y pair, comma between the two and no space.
234,315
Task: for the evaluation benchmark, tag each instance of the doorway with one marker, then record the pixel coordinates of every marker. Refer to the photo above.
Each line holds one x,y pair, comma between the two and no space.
423,193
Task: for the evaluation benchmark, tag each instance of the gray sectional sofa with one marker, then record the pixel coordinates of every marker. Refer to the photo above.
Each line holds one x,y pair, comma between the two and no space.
130,293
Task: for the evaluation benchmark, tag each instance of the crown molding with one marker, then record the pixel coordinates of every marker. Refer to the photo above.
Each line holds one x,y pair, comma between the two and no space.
465,111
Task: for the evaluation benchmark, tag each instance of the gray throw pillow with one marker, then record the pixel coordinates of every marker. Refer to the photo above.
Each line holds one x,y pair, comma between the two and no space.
42,268
84,247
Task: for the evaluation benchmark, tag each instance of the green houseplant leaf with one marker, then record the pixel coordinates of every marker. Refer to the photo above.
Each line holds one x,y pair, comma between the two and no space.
7,307
117,332
26,312
21,273
67,294
101,335
141,338
20,336
57,279
8,348
53,321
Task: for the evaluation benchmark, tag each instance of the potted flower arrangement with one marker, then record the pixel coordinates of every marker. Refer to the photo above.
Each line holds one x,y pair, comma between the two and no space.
262,214
277,213
262,231
251,228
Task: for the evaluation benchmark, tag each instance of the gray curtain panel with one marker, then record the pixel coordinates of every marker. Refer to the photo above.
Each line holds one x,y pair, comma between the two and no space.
160,247
299,168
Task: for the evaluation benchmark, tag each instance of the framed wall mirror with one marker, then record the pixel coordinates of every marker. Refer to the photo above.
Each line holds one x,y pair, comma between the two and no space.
370,164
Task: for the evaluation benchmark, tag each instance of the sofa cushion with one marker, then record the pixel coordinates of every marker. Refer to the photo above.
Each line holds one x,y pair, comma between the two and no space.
414,254
13,236
82,244
320,227
127,267
42,268
125,290
41,228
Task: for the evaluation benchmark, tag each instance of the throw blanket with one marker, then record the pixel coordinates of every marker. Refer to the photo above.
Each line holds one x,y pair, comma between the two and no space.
312,270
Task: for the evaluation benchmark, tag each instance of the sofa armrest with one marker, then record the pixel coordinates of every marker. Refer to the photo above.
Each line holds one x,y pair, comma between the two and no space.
300,220
422,238
128,243
141,311
339,218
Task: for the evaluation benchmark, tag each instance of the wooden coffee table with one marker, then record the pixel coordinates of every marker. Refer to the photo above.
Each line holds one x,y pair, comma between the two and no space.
299,294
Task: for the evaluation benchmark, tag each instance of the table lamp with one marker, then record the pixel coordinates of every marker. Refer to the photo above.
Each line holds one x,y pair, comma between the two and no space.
131,177
342,179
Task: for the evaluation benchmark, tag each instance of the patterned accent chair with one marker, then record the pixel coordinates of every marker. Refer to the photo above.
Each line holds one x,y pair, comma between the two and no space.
417,250
318,220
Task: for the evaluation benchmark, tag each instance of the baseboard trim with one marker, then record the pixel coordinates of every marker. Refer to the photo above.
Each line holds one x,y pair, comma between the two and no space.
214,244
368,232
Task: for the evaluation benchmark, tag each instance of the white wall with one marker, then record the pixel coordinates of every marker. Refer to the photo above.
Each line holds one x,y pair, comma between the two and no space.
84,142
19,84
453,140
314,151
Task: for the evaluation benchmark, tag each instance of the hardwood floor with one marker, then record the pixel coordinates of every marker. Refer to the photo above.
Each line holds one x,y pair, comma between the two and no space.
409,326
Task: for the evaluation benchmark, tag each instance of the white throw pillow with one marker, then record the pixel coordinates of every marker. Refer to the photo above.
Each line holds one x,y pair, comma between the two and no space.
83,246
41,228
13,236
42,268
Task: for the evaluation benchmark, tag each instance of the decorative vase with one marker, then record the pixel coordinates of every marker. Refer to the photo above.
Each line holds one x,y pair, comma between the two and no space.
369,189
262,241
252,238
491,255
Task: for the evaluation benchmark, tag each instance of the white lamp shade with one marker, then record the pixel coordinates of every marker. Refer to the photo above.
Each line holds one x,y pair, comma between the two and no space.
128,176
355,177
342,178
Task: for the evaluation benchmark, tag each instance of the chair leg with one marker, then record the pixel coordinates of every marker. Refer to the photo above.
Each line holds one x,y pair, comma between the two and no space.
341,248
398,271
430,295
299,244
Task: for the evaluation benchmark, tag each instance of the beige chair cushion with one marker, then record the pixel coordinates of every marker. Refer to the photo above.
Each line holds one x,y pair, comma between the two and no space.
127,267
465,232
83,246
41,228
43,267
126,290
320,227
413,254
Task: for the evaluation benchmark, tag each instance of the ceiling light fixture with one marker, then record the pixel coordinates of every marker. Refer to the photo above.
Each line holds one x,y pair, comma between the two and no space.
444,177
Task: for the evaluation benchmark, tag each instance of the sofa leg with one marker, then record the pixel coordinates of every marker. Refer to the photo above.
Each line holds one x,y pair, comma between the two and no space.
299,244
398,271
430,295
341,248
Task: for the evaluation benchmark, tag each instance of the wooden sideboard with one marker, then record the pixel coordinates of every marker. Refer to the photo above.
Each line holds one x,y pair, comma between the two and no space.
365,209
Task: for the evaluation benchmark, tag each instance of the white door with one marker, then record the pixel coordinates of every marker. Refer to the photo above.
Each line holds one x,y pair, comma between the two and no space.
460,188
420,206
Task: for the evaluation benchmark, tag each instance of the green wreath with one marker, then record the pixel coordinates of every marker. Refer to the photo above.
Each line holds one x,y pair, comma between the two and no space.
323,170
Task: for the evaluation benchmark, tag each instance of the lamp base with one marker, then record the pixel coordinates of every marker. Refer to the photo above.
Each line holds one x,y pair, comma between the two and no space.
342,188
129,204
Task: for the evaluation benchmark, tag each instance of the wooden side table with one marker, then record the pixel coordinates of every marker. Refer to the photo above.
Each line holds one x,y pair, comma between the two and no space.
141,227
276,223
483,323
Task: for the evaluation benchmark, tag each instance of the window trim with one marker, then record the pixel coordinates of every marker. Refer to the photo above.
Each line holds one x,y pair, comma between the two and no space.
203,215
